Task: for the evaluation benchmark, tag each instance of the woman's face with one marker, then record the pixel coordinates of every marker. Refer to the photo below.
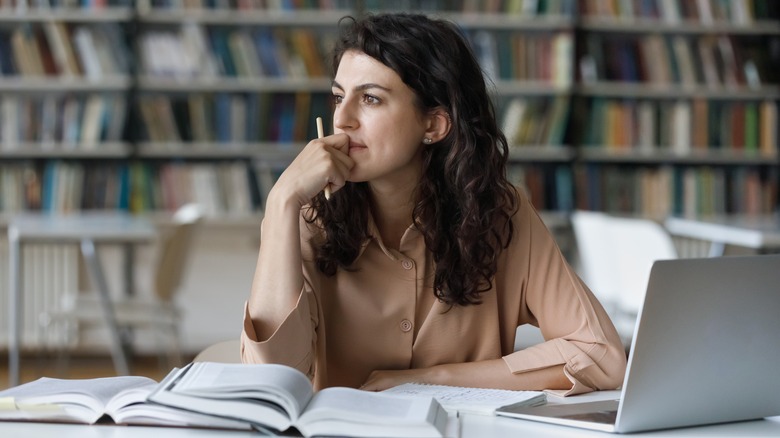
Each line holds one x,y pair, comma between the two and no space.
377,111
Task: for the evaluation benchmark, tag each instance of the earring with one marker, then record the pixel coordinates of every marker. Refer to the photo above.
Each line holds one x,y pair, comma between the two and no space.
427,140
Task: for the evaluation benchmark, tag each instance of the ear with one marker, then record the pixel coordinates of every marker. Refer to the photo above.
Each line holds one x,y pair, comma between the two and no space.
439,124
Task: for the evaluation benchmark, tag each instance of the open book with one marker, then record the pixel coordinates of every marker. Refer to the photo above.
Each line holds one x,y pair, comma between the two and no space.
470,400
121,400
277,398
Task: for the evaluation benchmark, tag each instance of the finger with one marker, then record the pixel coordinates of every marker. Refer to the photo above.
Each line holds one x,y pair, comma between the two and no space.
339,142
339,180
342,161
345,164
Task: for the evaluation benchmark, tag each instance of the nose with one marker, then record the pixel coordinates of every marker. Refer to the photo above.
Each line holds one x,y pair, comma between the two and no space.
344,116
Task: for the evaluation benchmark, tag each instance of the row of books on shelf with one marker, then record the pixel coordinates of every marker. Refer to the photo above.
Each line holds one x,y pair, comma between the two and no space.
535,120
223,188
529,8
710,60
193,50
226,187
549,186
238,187
247,5
233,117
83,122
543,57
741,12
32,5
649,191
288,117
513,7
54,48
61,121
63,187
684,125
659,191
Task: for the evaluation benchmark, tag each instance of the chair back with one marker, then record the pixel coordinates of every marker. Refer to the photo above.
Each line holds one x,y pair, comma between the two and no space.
616,255
175,251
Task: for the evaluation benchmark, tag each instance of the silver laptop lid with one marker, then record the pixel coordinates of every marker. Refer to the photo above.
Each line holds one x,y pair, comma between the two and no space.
707,344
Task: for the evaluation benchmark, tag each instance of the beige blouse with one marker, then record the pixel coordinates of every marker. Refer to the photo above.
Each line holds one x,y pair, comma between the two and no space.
382,315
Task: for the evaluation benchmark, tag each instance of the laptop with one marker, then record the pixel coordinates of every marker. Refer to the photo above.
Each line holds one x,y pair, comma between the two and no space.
706,350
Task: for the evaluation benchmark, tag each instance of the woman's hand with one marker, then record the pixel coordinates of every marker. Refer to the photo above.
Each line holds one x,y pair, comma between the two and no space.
323,161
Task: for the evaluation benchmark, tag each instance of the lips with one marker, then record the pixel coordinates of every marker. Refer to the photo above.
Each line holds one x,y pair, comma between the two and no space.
355,146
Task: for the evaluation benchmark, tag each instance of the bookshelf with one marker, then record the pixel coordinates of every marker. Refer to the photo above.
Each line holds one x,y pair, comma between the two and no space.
63,94
677,107
226,97
645,107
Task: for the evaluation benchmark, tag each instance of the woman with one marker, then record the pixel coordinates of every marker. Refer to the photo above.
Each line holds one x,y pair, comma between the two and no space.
425,259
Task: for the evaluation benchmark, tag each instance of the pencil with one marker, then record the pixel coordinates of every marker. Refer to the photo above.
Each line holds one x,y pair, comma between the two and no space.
320,134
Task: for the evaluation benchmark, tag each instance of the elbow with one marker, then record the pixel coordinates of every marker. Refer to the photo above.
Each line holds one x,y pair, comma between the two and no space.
605,371
613,368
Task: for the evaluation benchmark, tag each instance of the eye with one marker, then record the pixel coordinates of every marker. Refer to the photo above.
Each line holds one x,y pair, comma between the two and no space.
337,98
371,99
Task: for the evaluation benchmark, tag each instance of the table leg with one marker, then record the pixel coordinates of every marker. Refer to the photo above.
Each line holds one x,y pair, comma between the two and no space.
128,266
15,306
96,273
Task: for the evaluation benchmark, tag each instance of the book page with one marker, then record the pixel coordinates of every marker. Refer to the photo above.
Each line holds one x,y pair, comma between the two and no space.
280,384
471,400
11,410
130,407
362,405
261,413
338,411
82,399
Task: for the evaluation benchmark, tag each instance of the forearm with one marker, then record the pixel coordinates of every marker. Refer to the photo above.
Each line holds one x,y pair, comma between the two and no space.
278,277
483,374
496,374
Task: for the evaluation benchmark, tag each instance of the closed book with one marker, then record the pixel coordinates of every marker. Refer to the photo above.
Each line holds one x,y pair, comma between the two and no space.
751,127
768,128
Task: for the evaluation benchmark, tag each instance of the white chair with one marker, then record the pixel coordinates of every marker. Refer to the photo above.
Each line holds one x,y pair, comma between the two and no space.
156,310
615,257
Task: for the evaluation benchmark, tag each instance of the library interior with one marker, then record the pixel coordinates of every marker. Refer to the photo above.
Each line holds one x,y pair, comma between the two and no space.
139,139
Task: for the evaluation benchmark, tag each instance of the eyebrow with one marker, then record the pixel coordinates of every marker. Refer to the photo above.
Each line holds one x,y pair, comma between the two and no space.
362,87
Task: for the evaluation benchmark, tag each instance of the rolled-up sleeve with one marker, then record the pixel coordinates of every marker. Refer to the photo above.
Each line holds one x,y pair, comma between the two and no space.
292,343
578,332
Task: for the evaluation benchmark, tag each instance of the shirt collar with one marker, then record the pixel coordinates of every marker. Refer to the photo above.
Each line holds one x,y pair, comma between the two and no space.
407,241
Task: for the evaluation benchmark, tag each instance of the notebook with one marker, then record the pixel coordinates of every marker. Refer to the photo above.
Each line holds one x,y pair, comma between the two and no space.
705,350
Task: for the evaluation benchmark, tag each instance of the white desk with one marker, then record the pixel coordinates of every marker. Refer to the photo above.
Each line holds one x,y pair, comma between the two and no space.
471,426
475,426
87,231
757,232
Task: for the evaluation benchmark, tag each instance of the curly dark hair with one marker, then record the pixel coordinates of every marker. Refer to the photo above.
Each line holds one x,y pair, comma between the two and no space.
464,202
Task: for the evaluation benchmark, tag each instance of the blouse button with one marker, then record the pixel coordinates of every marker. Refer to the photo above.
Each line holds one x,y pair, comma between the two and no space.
407,264
406,325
